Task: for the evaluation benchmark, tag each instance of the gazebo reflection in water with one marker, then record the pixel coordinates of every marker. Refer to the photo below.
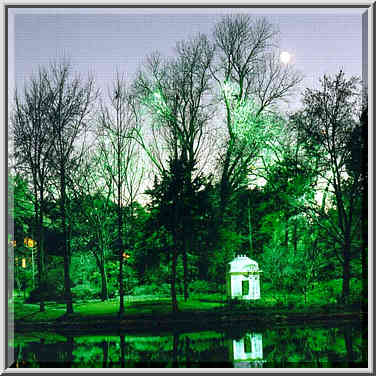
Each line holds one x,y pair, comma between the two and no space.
247,351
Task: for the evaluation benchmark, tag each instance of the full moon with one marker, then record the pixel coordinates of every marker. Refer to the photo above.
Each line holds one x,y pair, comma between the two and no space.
285,57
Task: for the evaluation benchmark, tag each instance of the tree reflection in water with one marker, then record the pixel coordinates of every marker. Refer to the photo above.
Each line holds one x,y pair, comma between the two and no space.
105,353
175,350
282,347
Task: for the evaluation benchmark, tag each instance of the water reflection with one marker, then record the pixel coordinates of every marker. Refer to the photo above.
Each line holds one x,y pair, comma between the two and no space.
340,346
247,351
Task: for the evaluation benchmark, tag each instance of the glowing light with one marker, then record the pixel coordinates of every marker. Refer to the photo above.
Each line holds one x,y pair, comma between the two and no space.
24,263
29,242
285,57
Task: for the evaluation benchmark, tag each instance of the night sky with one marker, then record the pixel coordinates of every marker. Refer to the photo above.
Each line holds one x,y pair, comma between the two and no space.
103,40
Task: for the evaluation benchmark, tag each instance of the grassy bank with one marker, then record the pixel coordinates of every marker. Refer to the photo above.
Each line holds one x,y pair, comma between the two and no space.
134,306
323,297
147,312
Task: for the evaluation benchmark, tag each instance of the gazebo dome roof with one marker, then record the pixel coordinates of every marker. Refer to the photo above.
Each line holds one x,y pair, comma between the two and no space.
243,263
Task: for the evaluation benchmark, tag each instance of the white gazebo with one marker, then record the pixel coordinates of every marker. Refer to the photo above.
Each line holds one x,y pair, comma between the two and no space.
243,279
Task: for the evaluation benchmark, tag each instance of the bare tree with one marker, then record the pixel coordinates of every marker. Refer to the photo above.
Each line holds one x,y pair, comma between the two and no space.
273,82
118,153
241,42
70,105
175,94
331,126
88,188
248,74
33,144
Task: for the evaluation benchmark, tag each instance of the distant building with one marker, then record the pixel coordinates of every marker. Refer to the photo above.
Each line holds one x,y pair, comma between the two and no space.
243,279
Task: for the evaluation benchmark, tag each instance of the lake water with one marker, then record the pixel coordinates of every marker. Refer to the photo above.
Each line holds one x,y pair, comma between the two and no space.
283,347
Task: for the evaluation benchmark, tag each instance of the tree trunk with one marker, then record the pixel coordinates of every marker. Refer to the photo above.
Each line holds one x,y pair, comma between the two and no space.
295,237
121,285
286,242
173,279
346,273
224,186
67,287
101,266
185,270
41,256
42,271
223,200
104,292
120,240
250,229
364,269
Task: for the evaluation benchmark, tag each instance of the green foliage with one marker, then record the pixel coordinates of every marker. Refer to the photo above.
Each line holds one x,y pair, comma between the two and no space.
85,292
153,290
205,287
21,207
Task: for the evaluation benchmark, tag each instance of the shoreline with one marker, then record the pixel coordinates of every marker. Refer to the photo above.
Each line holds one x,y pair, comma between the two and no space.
182,320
